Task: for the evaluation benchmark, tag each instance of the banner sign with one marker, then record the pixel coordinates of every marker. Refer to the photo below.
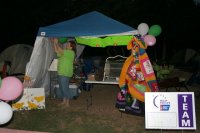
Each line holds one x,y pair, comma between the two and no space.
170,110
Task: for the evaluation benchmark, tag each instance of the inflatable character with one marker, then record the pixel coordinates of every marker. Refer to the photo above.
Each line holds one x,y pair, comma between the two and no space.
137,76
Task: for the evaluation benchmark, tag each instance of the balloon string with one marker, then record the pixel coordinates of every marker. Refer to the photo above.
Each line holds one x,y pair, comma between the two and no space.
0,82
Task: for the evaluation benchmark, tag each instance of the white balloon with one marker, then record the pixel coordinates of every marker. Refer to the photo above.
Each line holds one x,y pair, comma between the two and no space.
6,112
143,29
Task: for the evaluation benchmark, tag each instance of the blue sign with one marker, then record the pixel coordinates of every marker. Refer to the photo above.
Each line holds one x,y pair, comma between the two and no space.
185,115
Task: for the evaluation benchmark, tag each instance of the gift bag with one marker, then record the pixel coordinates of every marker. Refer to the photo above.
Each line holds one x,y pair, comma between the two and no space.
127,104
31,98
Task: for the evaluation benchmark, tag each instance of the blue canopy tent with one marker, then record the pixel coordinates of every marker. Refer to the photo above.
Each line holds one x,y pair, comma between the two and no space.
92,24
89,24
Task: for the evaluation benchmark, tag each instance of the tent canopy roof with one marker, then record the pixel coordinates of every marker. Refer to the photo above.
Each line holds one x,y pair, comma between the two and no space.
89,24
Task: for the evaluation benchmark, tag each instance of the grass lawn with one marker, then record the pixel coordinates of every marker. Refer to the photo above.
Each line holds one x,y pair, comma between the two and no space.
101,117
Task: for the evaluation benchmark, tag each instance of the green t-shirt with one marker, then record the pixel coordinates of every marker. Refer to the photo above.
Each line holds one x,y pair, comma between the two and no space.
65,63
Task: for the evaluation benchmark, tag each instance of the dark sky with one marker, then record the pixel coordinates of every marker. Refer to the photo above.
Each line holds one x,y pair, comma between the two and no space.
179,20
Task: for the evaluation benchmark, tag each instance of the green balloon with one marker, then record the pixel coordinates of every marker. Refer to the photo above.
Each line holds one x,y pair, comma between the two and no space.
154,30
62,40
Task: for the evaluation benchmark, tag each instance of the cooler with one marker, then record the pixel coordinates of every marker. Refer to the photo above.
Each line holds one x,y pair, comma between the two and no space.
74,90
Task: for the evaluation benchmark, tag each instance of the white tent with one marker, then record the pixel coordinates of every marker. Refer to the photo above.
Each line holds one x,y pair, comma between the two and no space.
90,24
18,55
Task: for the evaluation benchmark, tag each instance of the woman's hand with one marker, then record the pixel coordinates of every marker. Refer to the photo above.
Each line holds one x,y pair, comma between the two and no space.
58,49
55,47
55,40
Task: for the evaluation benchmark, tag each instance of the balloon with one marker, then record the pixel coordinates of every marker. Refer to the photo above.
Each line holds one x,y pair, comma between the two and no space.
11,88
6,112
62,40
149,40
143,29
154,30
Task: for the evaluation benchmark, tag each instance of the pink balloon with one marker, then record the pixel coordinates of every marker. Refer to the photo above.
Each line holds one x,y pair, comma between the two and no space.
11,88
149,40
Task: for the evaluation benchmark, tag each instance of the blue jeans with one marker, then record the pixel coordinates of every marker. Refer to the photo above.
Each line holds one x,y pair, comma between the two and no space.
63,82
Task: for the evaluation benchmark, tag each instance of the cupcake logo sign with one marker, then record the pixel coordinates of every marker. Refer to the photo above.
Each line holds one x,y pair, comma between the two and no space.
161,102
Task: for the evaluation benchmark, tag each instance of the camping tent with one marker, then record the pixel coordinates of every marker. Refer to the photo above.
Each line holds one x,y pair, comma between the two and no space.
92,24
182,57
17,55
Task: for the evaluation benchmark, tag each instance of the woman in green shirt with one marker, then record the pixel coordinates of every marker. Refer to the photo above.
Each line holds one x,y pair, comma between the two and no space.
65,67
